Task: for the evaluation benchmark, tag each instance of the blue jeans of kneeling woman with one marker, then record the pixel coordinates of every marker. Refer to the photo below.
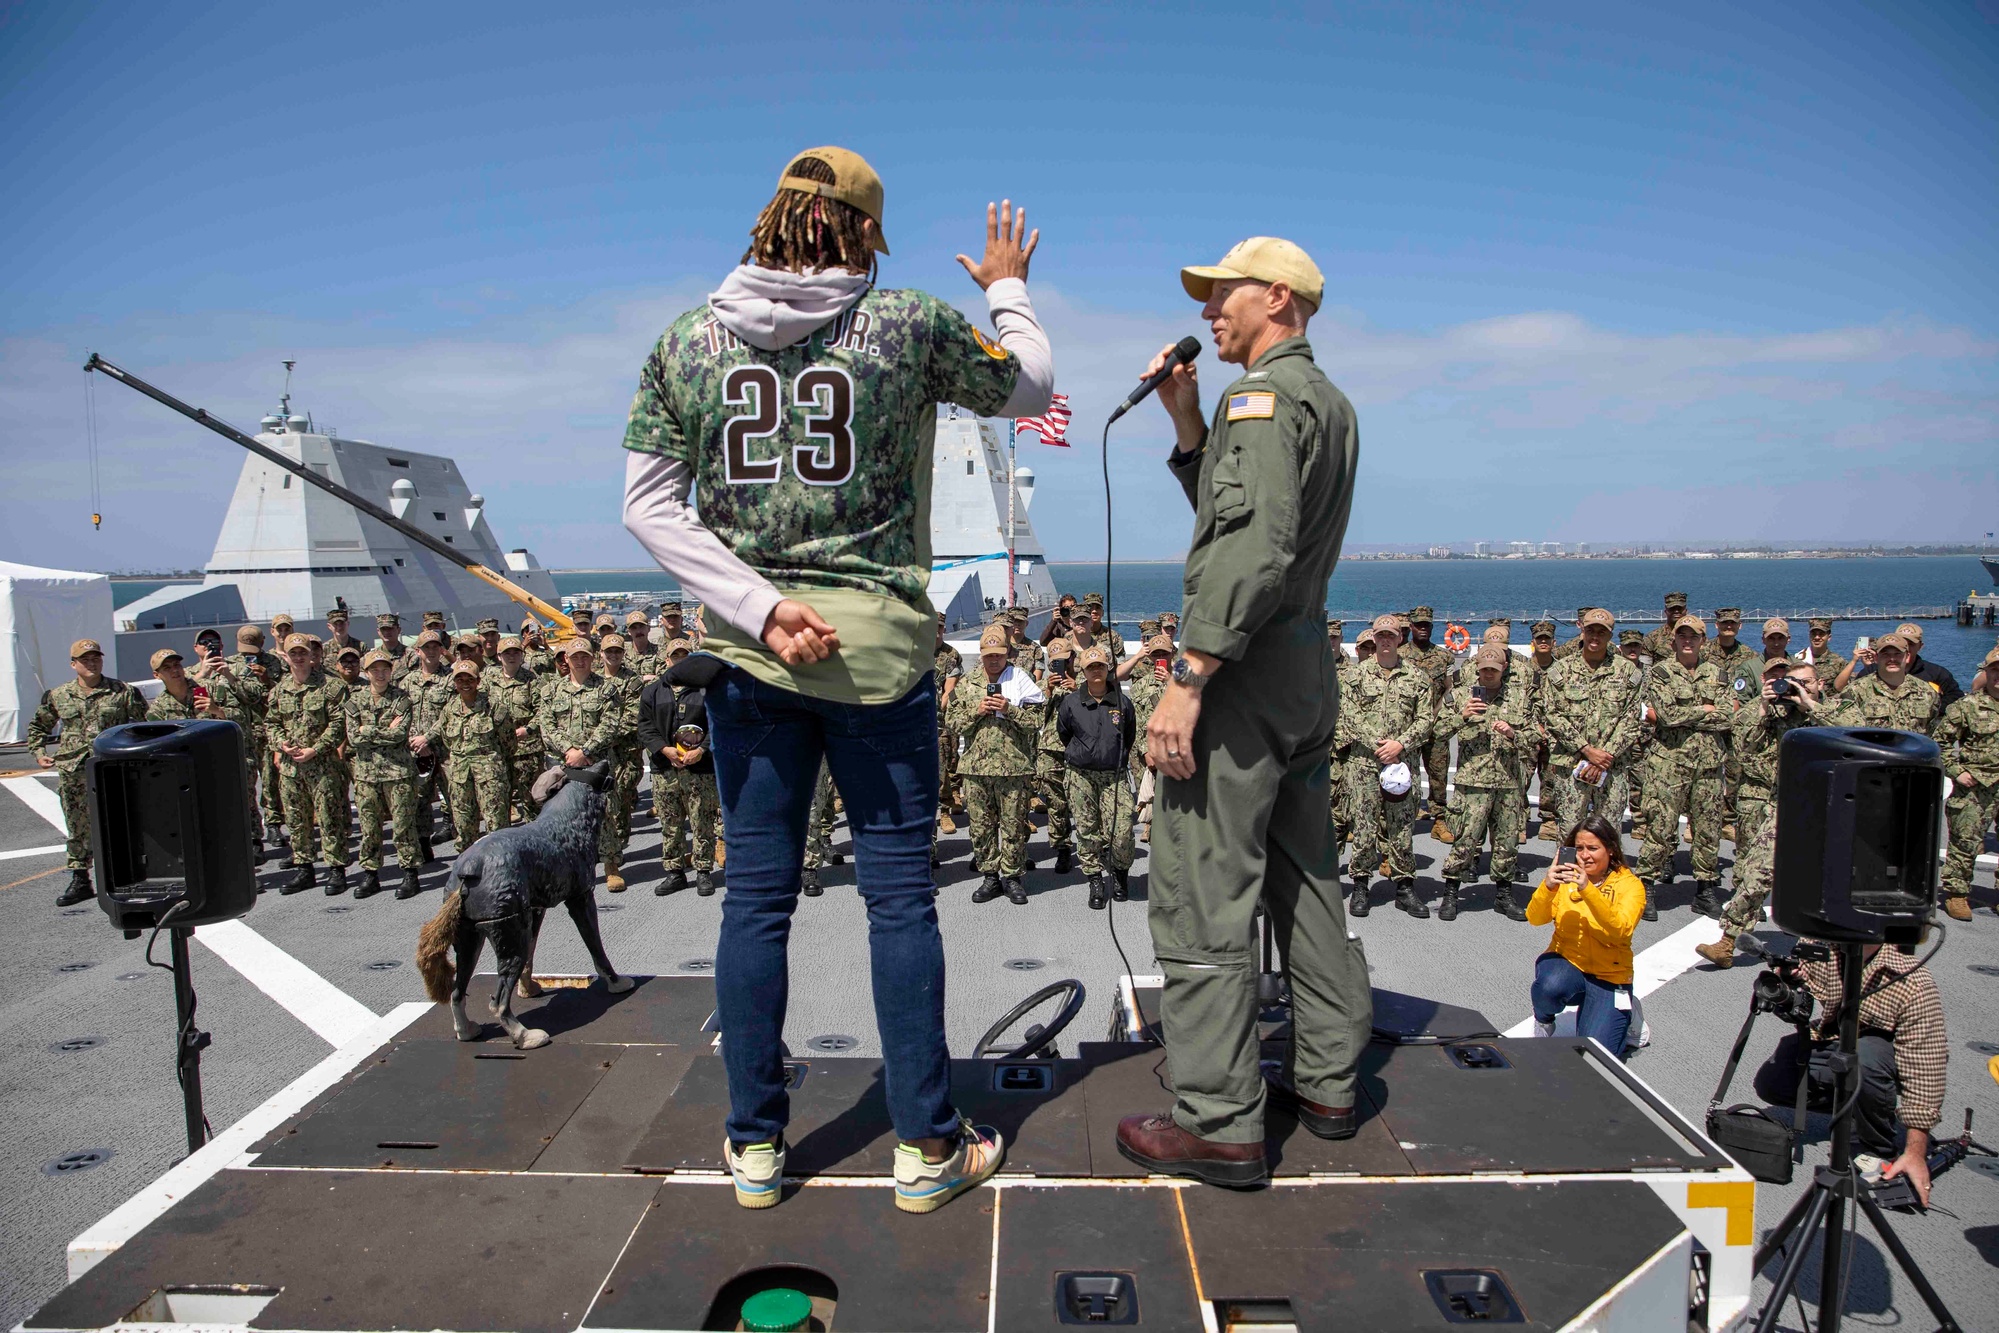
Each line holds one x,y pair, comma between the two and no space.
767,743
1559,983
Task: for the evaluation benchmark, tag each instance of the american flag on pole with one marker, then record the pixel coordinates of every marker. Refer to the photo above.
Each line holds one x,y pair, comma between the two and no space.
1053,425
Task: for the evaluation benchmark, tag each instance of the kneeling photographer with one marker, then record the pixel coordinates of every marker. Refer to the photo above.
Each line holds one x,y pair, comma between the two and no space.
1903,1054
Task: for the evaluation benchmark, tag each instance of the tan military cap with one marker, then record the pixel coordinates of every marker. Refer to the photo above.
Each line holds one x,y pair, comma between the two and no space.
430,636
1690,622
994,640
669,608
1490,655
1895,640
1776,664
1543,629
464,669
348,650
467,640
511,643
1495,634
1821,623
1776,625
678,646
1596,615
159,659
1991,658
1060,648
84,647
1385,625
297,643
637,618
1912,632
854,183
376,656
576,647
1094,655
1158,643
249,634
611,641
1263,259
281,619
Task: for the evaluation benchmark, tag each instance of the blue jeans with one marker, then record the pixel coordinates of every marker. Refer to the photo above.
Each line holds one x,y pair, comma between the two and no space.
767,743
1559,983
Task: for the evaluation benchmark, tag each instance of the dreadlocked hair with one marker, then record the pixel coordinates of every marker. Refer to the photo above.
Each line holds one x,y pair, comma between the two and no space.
798,231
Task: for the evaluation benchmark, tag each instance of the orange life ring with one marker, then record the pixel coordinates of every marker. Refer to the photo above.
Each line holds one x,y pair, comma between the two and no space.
1457,638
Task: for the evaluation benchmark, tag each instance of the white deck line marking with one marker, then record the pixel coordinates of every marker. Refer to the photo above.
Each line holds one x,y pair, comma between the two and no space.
1651,969
40,798
129,1218
20,852
312,999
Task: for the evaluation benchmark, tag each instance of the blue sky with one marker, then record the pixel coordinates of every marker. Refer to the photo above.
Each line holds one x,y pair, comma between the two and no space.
1594,272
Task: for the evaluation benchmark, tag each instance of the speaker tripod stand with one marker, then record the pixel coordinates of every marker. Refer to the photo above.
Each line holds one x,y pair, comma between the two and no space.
1823,1206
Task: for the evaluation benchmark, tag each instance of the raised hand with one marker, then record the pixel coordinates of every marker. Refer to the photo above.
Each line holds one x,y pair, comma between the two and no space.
1009,246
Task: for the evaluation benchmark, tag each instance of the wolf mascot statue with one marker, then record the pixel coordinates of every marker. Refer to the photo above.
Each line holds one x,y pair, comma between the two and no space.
501,886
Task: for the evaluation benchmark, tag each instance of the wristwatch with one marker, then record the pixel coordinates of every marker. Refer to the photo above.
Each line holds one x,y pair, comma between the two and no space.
1186,673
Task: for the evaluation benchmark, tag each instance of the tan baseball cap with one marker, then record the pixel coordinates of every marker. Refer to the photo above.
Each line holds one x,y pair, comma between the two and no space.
678,646
1895,640
1495,634
1911,631
347,651
464,669
249,634
1596,615
1490,655
854,183
1776,664
510,643
430,636
281,619
1159,643
159,658
637,618
1384,624
1776,625
1991,658
994,640
377,656
1094,655
1692,622
577,647
298,642
83,646
1263,259
610,641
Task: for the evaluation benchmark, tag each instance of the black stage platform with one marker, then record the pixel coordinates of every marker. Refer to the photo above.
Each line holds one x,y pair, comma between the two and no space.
443,1185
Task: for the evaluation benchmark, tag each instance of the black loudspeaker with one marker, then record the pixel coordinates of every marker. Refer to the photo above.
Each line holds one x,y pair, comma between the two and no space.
1858,814
170,823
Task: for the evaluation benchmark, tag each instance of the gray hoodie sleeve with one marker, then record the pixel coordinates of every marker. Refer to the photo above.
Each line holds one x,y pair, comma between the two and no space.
657,513
1021,333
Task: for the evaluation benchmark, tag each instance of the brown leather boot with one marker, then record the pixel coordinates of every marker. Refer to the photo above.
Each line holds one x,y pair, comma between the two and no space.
1721,953
1327,1122
1441,831
1958,908
1159,1144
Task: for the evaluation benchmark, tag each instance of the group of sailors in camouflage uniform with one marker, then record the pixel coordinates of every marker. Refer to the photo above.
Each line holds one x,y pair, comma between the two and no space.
334,729
1672,725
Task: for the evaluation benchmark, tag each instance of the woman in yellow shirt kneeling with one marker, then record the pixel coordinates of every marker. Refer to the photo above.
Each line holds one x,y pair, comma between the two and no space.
1594,904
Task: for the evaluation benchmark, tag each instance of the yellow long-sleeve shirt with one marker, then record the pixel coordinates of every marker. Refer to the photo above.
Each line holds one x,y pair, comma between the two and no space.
1593,922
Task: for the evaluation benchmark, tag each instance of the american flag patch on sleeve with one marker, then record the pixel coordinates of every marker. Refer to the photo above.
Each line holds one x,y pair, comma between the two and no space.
1252,406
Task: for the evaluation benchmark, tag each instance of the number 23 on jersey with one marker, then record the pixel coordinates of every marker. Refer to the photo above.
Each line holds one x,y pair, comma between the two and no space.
823,396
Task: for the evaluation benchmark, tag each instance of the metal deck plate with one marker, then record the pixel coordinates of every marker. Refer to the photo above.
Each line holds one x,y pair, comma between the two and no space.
663,1010
601,1134
446,1104
892,1270
1353,1255
1135,1231
364,1249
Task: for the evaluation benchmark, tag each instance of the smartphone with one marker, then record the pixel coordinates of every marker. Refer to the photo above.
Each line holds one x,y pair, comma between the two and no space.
992,688
1478,693
1566,856
200,695
1860,644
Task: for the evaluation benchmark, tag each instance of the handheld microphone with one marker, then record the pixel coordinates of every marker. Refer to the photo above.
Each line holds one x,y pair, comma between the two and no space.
1183,351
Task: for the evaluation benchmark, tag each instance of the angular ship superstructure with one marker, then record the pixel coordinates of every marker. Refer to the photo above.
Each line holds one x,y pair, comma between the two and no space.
973,495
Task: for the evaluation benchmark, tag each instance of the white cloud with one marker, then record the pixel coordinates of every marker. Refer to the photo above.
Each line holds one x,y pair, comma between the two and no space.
1535,422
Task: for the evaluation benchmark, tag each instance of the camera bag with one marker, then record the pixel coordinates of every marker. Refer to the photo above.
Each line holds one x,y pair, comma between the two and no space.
1761,1144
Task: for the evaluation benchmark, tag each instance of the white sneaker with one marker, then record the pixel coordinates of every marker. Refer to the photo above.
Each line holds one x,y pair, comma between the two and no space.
758,1172
924,1187
1546,1029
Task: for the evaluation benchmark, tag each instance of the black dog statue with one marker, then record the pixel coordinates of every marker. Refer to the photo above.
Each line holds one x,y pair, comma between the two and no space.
502,885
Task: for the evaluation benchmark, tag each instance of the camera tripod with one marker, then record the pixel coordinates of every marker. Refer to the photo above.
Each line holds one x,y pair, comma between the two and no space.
1833,1185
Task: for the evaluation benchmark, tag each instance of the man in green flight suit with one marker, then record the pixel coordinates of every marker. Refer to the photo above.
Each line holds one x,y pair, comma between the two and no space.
1240,736
73,713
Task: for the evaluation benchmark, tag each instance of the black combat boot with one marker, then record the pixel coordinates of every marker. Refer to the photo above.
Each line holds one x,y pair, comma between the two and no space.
1447,910
1651,912
704,884
1096,883
1064,859
989,889
370,885
1407,901
1122,891
1357,902
1016,892
1704,902
79,890
808,882
1502,903
411,888
303,877
336,881
675,879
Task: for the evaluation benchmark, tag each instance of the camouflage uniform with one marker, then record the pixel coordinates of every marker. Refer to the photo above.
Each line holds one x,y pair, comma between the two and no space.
430,691
233,703
259,739
1344,668
313,714
1868,702
819,823
1145,689
1969,738
1584,705
1692,711
1051,777
1759,731
517,694
82,713
478,739
582,717
689,809
378,738
996,766
1828,664
628,759
1742,677
1646,733
1384,704
1436,662
948,664
1482,799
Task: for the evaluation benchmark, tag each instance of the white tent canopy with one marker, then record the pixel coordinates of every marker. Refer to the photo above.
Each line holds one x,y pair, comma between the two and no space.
42,612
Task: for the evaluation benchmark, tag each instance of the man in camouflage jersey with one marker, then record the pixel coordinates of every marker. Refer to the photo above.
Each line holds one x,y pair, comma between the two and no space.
389,639
1384,719
536,653
1689,710
997,713
308,720
1437,662
1589,706
1968,735
579,722
73,713
1100,630
1095,725
1759,729
478,745
1491,720
378,743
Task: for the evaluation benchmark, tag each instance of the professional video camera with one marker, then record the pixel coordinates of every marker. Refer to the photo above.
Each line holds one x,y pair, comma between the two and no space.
1779,989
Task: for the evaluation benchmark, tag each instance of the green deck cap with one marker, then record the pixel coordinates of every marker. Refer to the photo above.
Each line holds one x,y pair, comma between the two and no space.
779,1310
